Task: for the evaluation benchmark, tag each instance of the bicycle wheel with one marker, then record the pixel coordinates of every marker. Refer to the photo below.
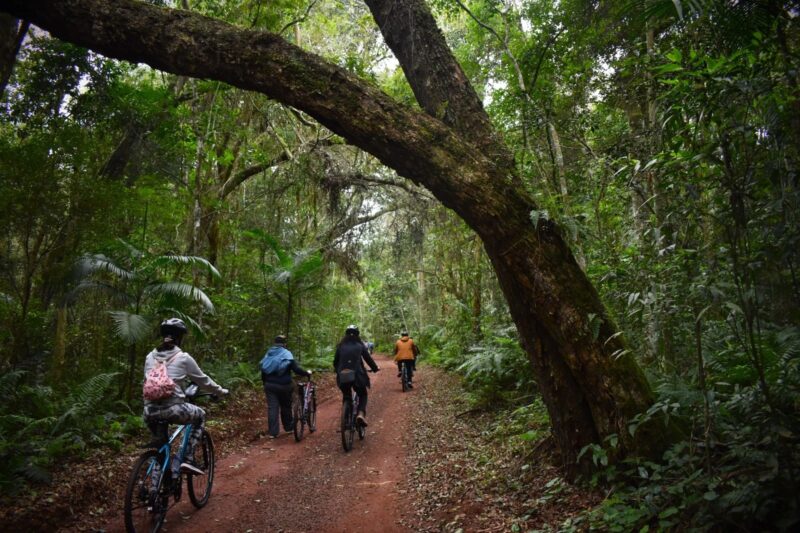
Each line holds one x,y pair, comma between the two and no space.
203,457
312,413
298,420
146,497
404,377
347,426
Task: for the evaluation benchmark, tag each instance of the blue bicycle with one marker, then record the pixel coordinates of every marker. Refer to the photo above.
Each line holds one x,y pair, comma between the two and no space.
147,497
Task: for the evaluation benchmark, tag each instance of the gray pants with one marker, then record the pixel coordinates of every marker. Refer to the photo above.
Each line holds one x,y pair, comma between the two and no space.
179,413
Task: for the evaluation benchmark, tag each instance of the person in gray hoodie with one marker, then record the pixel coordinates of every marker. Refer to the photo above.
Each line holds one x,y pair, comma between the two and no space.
182,369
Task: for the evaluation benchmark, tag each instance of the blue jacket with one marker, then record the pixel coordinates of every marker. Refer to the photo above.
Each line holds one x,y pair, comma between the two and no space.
285,377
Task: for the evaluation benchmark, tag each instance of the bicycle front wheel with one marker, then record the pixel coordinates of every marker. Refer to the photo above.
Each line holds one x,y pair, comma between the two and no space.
348,428
312,414
299,420
203,458
146,497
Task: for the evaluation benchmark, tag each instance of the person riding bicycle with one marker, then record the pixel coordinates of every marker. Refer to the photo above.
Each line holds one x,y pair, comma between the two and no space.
405,353
350,372
182,369
276,368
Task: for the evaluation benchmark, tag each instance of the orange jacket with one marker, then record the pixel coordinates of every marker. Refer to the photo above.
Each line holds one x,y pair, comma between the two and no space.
405,349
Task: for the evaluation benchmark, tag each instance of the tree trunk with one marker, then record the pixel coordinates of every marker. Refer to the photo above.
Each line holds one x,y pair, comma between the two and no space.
12,33
590,383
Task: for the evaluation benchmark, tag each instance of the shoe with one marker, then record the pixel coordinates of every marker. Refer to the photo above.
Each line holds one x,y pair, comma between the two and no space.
399,374
362,419
188,468
270,437
410,385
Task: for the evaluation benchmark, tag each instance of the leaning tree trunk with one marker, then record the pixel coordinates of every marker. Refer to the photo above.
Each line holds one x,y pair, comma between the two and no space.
590,383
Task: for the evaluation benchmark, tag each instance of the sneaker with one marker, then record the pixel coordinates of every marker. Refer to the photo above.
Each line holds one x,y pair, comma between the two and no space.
362,419
188,468
272,437
410,385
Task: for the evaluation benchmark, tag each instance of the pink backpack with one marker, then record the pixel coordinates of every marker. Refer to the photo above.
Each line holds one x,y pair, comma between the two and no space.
157,384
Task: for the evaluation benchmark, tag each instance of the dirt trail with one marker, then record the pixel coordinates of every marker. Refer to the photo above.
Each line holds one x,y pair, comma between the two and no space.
282,485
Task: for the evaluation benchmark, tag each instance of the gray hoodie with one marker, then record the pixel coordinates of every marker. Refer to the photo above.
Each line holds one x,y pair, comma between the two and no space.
181,367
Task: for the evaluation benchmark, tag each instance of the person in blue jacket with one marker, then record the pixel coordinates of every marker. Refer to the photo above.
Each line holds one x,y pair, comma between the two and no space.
276,375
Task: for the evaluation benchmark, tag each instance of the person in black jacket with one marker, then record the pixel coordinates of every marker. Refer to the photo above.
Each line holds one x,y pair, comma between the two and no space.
278,384
350,356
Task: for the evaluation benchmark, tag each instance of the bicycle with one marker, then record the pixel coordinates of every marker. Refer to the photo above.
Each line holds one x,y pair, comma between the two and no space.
350,423
405,376
304,409
147,496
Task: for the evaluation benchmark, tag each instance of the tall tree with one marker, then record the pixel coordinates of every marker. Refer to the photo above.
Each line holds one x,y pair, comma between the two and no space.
590,382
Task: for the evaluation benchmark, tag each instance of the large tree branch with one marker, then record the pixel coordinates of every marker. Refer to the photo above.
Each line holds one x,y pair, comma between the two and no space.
194,45
438,81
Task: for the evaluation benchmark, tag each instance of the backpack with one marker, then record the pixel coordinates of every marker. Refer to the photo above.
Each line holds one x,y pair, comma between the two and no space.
157,383
349,361
275,364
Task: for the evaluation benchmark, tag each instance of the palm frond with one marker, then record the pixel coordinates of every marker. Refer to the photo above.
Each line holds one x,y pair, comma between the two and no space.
130,327
306,263
193,260
9,383
131,249
92,391
182,290
116,294
89,264
265,238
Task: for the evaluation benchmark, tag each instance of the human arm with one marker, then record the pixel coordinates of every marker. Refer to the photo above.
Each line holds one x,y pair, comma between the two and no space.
297,369
195,373
368,358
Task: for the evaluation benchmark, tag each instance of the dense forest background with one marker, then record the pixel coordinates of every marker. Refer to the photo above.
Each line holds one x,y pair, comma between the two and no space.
663,136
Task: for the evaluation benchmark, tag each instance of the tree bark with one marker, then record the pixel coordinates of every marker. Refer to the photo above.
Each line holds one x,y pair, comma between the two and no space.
12,33
590,383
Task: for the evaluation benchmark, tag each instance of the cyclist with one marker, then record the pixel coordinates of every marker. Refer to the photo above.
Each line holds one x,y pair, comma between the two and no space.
348,361
405,353
182,369
276,368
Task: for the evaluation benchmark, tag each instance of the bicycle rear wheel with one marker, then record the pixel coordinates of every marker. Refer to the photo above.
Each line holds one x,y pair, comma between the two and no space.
203,458
298,420
146,497
312,413
404,377
347,426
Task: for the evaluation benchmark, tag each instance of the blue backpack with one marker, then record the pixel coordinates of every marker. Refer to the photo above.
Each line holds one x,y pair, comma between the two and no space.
276,361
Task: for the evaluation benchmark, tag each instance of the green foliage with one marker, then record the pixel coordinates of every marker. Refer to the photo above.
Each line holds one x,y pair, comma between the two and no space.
39,428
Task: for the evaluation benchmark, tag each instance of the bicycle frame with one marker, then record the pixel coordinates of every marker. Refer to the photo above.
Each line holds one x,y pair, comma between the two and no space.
166,451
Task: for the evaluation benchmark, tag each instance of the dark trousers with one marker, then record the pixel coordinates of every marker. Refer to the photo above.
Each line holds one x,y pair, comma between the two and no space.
279,397
362,396
410,363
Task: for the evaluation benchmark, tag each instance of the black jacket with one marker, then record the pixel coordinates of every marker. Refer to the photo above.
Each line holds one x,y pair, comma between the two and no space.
351,353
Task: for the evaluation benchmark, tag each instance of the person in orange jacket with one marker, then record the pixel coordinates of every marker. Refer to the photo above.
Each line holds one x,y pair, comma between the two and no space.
406,352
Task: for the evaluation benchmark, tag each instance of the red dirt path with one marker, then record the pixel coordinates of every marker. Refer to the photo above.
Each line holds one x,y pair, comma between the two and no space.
285,486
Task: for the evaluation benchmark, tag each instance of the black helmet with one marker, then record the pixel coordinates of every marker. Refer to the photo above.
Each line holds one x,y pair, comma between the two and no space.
280,339
352,329
173,327
404,333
